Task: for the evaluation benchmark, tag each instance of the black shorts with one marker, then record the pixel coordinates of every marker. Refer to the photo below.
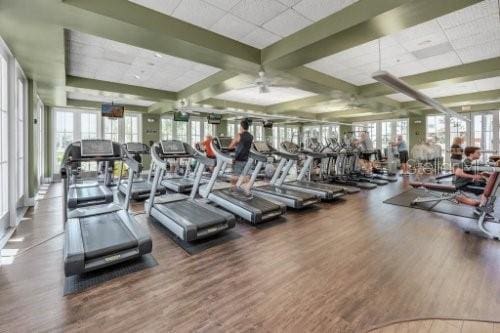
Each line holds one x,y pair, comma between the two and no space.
403,156
238,167
366,156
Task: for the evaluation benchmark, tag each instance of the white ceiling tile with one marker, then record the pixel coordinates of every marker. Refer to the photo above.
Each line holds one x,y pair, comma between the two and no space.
258,11
477,39
485,24
316,10
275,96
289,3
488,84
480,52
287,23
441,61
424,41
465,15
233,27
198,12
223,4
260,38
99,59
162,6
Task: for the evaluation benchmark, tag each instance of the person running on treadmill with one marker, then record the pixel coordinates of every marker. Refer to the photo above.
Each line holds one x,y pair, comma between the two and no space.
366,146
465,176
242,143
208,149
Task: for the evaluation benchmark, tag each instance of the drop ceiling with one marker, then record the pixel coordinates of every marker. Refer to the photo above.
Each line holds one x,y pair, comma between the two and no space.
106,97
258,23
102,59
461,37
274,96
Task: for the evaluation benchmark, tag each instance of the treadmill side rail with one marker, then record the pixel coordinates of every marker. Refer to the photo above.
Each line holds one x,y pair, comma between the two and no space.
74,253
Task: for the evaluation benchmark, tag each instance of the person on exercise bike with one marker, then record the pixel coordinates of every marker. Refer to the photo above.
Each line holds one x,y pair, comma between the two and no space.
242,143
465,176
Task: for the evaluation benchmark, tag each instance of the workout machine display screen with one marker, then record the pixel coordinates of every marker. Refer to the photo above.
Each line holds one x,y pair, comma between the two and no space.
136,148
225,142
262,146
112,110
96,148
173,147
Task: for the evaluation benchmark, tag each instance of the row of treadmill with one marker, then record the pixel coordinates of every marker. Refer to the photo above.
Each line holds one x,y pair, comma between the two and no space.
100,231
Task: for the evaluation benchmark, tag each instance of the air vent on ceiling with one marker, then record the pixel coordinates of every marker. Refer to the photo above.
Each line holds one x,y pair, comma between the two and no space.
433,51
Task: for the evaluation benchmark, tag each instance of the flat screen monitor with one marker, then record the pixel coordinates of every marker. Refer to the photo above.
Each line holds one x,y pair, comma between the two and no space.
214,118
112,110
179,116
268,124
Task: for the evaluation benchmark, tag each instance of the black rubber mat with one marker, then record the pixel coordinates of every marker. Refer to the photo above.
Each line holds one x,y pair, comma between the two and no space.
78,283
445,207
202,244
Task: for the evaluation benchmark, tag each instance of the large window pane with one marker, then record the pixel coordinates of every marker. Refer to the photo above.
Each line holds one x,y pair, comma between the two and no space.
111,129
181,131
88,125
63,134
167,132
132,128
195,131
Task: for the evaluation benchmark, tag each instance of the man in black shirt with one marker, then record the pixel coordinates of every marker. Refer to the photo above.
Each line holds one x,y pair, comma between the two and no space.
465,176
242,143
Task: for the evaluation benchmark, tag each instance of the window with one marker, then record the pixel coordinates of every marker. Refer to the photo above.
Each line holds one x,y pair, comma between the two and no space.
436,131
458,128
231,129
181,131
4,144
63,135
282,134
402,129
386,133
259,133
20,138
132,128
275,137
209,129
111,129
167,129
88,126
195,131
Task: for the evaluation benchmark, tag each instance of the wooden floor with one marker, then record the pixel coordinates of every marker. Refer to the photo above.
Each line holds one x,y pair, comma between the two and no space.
347,267
440,326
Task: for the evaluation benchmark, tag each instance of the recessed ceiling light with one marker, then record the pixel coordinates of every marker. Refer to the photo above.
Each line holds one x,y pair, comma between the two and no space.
137,77
158,55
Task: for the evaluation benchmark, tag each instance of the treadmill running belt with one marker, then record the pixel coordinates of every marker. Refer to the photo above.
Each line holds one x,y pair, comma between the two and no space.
286,192
89,193
311,185
254,201
105,233
193,212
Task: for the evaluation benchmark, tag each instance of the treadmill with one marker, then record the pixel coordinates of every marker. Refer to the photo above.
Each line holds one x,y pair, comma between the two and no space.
141,188
188,218
253,209
103,235
292,198
182,184
322,190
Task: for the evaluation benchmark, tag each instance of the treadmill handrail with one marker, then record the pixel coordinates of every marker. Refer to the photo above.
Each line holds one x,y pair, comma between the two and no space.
254,155
160,162
219,154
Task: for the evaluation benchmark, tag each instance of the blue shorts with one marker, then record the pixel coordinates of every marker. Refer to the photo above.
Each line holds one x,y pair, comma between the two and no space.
238,167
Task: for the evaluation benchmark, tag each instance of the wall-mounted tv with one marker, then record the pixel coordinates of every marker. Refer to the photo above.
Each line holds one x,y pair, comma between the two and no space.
268,124
180,116
214,118
112,110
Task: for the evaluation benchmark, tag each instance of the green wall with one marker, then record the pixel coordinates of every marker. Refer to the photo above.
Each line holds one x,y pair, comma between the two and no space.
48,127
33,143
150,132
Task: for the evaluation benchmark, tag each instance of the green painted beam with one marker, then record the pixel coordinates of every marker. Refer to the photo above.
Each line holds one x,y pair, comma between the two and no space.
120,88
370,19
215,85
155,31
219,103
462,73
464,99
297,104
478,107
97,105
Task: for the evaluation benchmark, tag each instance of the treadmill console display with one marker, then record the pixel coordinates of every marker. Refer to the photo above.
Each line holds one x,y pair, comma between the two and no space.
262,147
225,142
171,147
290,147
96,148
136,148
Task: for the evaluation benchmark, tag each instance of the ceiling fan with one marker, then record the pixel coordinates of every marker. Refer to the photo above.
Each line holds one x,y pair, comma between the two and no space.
263,83
184,106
